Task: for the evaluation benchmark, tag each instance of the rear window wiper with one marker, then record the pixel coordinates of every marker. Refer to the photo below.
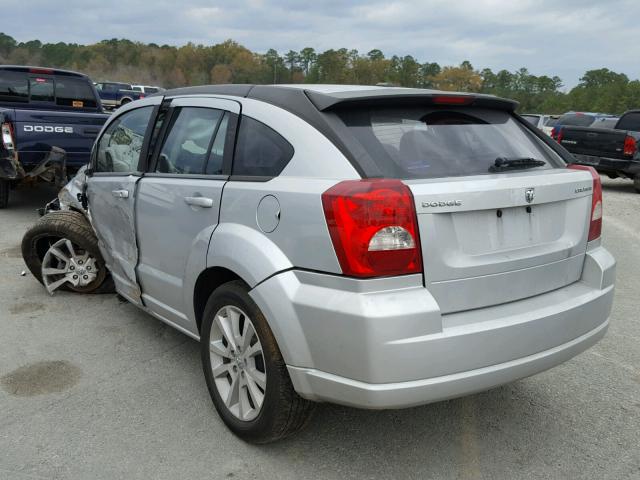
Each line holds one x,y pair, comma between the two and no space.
502,164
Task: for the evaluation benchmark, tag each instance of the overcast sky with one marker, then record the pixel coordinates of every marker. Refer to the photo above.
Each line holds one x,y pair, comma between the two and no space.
549,37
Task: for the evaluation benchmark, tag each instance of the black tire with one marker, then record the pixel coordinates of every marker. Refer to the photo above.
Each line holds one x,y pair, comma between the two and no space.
283,411
5,186
636,183
72,225
124,101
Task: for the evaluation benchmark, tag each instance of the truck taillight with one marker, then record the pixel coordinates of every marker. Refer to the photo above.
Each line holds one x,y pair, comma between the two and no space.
630,146
595,227
559,135
7,136
373,227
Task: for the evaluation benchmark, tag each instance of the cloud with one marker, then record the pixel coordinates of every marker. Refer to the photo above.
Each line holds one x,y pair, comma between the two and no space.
546,36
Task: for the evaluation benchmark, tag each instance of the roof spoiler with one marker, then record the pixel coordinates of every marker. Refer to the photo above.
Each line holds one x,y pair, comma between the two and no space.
406,97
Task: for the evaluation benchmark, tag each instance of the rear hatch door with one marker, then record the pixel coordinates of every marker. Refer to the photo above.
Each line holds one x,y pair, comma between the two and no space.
488,240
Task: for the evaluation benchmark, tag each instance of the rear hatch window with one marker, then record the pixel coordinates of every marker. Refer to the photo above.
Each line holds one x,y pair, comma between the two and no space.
14,87
630,121
422,142
576,119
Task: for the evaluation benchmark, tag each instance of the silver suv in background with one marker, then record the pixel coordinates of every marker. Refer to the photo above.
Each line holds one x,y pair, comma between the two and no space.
372,247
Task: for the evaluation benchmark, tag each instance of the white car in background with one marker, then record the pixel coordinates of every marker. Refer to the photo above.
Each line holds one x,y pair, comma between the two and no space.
542,122
147,89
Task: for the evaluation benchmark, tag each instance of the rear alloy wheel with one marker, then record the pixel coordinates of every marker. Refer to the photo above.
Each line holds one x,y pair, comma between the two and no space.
246,375
4,193
237,363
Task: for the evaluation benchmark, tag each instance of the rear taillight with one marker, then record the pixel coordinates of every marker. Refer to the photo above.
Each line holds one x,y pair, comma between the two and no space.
373,227
630,146
559,135
7,136
595,227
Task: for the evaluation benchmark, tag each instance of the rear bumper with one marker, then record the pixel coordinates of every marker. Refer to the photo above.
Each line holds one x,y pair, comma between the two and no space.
384,344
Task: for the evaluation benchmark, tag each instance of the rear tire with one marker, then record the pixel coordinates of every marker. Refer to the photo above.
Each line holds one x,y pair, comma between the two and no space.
71,225
279,411
636,183
5,186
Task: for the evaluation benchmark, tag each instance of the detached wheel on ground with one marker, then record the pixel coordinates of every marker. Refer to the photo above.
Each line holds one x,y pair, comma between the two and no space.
4,193
61,251
245,373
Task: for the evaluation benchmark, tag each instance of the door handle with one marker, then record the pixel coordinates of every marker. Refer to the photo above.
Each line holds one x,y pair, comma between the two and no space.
120,193
203,202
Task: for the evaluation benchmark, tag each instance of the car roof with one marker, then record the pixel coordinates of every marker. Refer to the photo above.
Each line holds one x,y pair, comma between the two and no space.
42,70
328,97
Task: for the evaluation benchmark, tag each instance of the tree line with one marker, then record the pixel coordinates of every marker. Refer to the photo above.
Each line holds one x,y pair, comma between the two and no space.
599,90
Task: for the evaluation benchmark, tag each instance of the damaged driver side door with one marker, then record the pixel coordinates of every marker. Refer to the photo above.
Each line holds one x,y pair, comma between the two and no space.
111,188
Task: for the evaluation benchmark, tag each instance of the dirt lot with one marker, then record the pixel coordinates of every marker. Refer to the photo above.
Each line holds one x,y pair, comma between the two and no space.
91,388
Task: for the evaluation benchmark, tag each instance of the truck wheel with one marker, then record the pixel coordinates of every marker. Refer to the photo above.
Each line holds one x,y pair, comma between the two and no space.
61,251
4,193
636,183
245,373
124,101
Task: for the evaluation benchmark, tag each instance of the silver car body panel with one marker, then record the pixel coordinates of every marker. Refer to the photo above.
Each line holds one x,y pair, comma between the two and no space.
498,300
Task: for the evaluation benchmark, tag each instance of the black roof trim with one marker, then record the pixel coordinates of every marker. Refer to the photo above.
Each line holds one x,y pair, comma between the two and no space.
54,71
401,96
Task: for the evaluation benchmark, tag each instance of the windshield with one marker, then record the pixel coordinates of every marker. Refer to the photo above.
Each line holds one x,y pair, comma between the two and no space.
430,143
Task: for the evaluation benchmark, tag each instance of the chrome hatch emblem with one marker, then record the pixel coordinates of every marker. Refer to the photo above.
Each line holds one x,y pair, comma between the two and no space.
529,194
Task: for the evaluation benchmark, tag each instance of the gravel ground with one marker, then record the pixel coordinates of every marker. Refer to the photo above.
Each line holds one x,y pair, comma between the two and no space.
92,388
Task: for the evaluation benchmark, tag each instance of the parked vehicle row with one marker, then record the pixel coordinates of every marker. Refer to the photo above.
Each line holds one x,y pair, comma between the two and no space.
372,247
49,120
611,151
116,94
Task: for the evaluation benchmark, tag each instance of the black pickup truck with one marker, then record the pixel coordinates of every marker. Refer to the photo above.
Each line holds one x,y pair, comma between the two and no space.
48,121
613,152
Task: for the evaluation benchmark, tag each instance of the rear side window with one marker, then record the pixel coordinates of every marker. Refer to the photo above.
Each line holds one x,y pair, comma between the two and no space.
630,121
41,89
431,143
260,150
74,92
186,148
14,86
121,144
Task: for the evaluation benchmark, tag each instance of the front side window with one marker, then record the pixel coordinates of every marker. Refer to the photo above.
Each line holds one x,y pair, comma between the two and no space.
186,147
120,146
418,142
260,150
41,89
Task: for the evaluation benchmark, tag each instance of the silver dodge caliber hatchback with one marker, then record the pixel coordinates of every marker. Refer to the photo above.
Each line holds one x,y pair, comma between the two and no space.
372,247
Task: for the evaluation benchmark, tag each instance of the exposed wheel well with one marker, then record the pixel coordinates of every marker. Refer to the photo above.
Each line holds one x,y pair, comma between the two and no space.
207,282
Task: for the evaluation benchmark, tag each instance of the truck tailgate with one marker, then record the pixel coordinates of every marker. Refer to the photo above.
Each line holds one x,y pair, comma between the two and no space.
598,142
37,131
